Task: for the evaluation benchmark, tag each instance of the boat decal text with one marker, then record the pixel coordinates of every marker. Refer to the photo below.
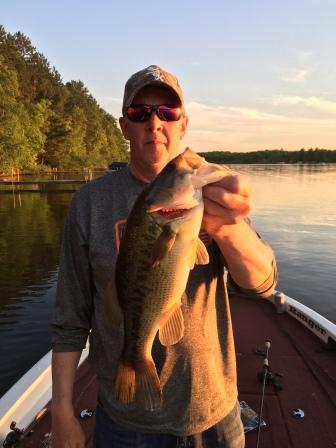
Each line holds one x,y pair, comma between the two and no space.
310,322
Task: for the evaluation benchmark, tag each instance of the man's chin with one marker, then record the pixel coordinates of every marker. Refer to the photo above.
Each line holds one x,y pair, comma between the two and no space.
157,153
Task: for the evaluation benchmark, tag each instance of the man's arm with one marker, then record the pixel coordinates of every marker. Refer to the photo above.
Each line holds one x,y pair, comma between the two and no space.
227,204
66,429
72,320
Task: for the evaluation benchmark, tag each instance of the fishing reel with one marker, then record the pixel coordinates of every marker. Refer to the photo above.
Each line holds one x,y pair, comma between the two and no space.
266,376
15,436
271,377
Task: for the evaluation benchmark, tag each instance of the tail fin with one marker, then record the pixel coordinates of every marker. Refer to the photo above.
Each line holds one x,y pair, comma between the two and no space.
141,383
125,383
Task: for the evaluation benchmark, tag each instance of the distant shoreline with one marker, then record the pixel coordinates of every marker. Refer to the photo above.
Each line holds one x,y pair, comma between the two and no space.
273,157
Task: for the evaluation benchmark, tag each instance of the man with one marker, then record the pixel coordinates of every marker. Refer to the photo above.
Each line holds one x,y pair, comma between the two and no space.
198,374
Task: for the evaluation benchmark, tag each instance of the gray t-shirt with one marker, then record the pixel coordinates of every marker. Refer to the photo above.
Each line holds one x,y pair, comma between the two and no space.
198,374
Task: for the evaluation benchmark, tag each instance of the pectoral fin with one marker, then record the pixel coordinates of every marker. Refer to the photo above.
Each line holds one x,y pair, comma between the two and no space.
198,254
172,331
111,308
163,245
202,256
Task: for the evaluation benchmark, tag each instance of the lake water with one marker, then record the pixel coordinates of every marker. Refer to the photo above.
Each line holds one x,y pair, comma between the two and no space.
294,210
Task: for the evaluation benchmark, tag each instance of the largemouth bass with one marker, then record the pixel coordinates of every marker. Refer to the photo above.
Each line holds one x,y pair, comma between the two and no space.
160,245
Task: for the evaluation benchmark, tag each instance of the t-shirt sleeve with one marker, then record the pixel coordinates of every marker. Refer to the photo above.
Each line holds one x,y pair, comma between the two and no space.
74,303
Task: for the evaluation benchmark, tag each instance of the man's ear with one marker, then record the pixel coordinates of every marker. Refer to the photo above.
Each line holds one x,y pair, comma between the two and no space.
124,127
184,126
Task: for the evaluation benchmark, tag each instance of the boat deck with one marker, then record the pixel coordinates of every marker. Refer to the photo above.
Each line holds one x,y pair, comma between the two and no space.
307,368
308,379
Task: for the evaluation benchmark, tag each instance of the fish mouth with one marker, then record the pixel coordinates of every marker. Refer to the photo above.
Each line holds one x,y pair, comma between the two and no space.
172,213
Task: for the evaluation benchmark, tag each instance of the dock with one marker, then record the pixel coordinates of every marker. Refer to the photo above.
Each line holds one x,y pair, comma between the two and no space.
38,186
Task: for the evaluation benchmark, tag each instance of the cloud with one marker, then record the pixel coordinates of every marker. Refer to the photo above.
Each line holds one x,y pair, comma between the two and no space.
299,70
248,129
311,102
229,128
295,75
111,99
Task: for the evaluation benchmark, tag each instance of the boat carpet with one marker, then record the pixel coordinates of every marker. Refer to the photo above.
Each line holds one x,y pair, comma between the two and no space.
308,377
307,370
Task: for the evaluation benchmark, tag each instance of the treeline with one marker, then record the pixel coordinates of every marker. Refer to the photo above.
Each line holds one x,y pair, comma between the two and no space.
272,156
44,122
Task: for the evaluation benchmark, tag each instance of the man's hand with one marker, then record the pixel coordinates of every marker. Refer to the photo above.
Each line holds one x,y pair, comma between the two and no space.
226,204
66,431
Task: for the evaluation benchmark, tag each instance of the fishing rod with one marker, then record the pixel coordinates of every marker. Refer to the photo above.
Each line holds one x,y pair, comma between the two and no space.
265,372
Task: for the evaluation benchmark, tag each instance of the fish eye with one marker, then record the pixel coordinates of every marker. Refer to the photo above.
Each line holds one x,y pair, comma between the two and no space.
170,167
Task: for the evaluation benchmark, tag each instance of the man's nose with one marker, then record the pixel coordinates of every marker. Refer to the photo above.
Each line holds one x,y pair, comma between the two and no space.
154,123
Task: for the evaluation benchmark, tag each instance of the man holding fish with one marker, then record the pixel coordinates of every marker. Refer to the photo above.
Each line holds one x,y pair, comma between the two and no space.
142,270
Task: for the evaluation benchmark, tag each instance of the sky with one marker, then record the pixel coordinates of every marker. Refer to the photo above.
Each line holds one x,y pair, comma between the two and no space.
256,74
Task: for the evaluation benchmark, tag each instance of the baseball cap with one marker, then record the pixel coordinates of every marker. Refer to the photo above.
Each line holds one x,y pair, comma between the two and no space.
152,75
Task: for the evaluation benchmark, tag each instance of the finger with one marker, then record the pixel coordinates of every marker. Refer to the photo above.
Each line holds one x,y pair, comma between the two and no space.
205,237
225,198
235,183
226,214
209,222
218,218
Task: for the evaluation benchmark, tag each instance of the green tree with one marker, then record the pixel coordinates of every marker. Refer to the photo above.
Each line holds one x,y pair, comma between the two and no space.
44,121
21,128
74,147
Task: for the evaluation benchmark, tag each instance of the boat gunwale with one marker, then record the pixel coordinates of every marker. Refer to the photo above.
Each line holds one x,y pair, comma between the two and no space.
29,395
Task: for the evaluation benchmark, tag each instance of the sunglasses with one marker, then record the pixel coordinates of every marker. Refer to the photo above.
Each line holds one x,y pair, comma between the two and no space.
143,112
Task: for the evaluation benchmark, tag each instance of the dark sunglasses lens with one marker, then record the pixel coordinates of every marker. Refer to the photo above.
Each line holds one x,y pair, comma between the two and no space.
138,113
142,112
167,113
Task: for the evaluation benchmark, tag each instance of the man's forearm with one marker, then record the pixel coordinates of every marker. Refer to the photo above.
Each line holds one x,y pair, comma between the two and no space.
64,367
248,258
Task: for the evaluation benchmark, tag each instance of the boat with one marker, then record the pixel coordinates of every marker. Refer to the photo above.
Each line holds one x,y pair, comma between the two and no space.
117,165
286,362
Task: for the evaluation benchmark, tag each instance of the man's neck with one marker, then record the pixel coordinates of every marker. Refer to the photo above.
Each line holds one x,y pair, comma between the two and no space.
140,174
